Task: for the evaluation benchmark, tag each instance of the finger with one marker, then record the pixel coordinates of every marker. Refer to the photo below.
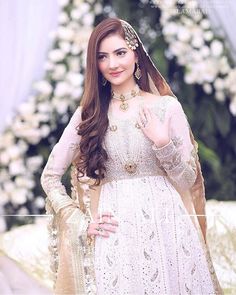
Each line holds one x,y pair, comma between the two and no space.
108,228
102,233
142,115
99,215
140,123
147,113
110,221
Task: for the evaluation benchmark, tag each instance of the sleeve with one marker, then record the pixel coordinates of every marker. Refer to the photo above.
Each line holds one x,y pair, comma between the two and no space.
58,162
177,157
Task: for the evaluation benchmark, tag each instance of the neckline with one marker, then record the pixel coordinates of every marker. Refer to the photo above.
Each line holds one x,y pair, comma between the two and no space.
129,117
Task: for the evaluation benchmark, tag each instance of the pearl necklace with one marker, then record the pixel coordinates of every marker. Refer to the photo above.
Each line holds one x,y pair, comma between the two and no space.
126,96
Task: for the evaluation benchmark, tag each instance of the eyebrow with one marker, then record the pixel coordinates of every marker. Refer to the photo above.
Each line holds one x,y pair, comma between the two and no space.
100,52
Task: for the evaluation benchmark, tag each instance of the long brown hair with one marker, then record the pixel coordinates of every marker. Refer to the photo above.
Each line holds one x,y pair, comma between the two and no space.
96,99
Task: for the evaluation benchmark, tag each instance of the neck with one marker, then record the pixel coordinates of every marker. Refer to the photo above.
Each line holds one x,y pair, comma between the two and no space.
123,88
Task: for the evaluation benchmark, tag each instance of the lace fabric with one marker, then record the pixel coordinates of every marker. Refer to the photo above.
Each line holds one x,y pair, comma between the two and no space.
139,178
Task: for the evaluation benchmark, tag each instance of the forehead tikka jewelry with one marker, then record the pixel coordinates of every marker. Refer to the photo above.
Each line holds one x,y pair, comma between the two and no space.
130,35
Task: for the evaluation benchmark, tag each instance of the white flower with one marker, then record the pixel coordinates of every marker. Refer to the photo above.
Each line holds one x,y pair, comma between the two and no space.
232,106
74,64
208,35
207,88
45,130
14,152
65,33
33,163
220,96
4,158
56,55
23,146
59,72
39,202
62,89
65,46
219,84
84,7
63,17
205,24
19,196
98,8
44,107
183,34
31,135
75,49
170,29
76,93
4,198
224,65
26,108
8,186
216,48
17,167
61,106
76,79
210,70
24,182
76,14
204,51
43,86
6,139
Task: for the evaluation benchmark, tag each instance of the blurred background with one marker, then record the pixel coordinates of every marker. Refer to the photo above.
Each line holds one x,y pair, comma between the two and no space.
43,49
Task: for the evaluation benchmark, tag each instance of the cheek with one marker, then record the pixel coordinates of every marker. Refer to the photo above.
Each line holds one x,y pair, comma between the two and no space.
102,66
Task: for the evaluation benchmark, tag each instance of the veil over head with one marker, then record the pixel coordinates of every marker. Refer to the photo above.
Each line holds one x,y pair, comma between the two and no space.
195,197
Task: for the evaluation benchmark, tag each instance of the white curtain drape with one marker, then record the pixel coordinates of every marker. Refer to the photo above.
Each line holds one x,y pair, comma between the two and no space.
24,37
222,14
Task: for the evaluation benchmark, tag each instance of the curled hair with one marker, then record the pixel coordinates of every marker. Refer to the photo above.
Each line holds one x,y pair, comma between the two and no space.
96,98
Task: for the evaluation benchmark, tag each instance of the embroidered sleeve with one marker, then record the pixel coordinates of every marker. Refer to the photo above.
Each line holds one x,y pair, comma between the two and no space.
58,162
177,158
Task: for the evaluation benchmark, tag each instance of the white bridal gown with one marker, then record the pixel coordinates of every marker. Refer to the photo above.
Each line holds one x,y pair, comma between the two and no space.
156,248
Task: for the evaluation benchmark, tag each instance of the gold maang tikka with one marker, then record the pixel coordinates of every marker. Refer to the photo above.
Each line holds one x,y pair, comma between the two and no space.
130,36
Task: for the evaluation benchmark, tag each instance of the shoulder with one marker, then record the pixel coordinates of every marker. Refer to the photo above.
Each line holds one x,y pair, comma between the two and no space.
166,102
76,117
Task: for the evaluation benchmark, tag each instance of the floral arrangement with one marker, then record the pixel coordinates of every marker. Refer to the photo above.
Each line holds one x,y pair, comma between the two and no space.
191,40
36,120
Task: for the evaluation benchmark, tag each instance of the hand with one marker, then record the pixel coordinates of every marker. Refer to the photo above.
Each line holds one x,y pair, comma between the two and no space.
104,222
153,128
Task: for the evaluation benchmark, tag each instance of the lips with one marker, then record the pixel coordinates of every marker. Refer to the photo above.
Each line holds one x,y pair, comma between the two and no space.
115,74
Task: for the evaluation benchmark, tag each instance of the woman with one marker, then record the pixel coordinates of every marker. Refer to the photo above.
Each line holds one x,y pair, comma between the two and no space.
137,231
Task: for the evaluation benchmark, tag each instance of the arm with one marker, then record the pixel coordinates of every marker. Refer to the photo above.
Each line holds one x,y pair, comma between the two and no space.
58,162
177,157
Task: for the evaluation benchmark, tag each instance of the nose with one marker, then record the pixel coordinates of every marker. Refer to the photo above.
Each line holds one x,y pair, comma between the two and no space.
113,63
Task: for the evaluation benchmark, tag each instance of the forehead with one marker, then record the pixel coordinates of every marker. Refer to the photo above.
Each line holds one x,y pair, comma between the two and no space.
111,43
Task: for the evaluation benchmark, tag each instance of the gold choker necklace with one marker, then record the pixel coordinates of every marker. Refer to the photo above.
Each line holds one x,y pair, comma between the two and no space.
126,96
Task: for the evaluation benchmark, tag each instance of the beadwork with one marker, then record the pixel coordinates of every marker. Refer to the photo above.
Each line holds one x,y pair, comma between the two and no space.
130,35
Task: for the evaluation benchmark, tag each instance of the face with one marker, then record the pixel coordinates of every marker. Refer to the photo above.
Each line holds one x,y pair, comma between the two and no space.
116,61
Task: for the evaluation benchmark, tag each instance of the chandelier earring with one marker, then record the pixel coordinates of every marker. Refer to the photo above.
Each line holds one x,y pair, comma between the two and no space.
138,73
104,81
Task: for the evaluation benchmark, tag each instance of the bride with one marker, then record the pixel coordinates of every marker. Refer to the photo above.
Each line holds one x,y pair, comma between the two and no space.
137,226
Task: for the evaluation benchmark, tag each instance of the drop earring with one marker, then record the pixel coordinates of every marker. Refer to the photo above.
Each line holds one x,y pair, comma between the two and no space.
138,73
104,81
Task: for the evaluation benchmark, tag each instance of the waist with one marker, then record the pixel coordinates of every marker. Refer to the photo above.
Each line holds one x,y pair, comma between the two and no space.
138,174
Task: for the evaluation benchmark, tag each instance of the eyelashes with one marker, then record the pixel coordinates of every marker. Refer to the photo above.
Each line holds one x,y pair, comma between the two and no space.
119,53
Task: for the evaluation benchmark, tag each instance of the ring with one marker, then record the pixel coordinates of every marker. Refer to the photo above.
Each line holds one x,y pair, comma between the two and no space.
99,229
144,123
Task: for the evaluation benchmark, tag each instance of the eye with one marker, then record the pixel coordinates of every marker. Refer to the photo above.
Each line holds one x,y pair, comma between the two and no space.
101,56
122,52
